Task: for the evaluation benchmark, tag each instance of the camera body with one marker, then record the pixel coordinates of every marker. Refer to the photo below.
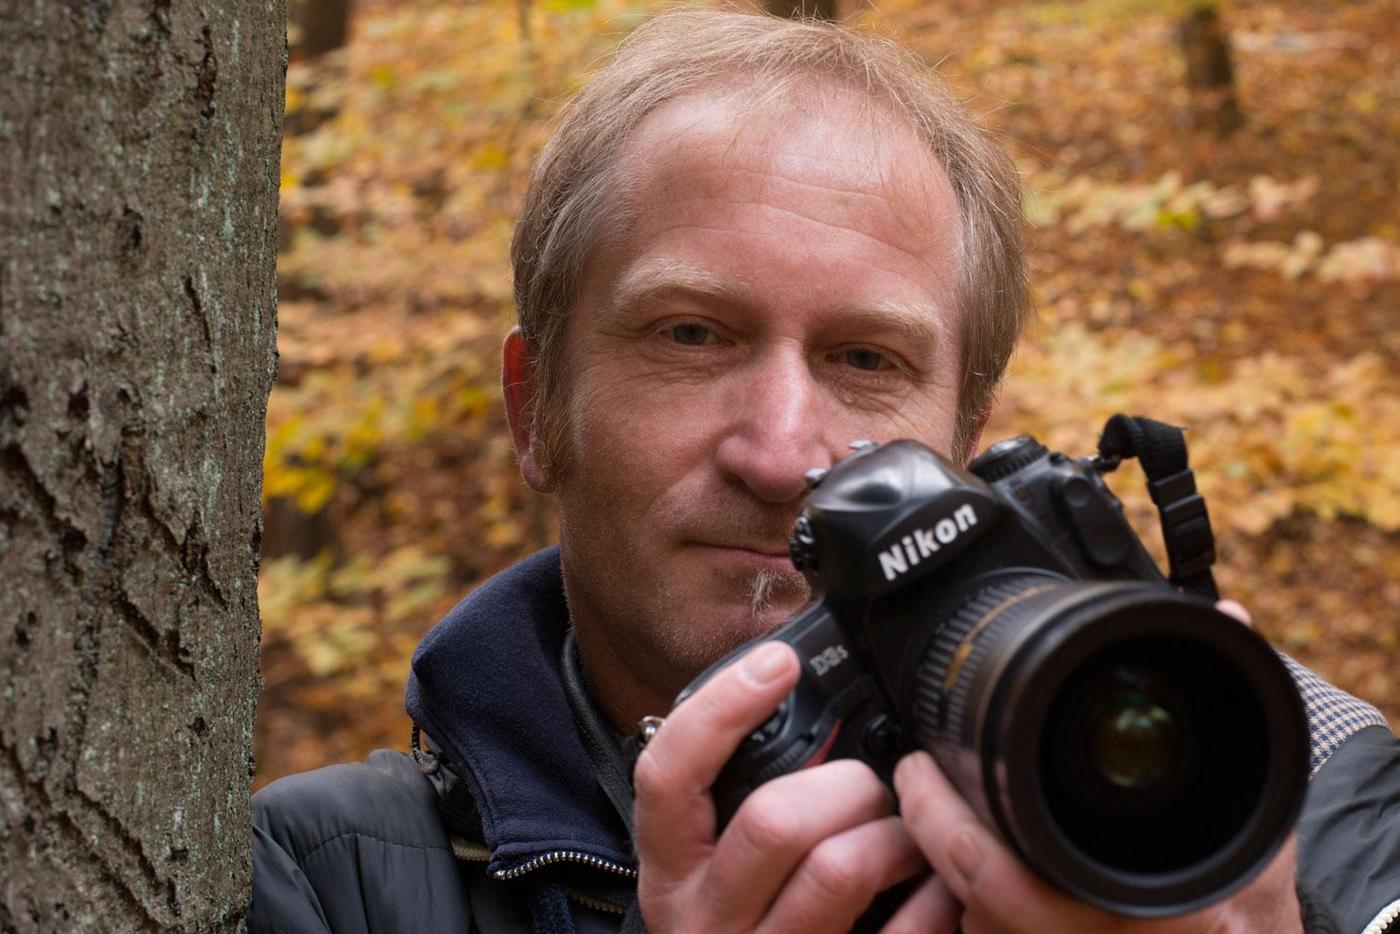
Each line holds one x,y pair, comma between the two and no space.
873,528
1007,619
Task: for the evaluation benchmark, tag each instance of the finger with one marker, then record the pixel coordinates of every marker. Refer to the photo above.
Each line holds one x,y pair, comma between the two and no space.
978,869
1237,610
929,909
1269,901
675,818
781,824
837,880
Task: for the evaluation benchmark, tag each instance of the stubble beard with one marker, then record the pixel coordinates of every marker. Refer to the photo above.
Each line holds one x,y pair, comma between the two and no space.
769,598
767,589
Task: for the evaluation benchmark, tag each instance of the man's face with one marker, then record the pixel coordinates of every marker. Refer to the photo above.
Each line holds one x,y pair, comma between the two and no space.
787,286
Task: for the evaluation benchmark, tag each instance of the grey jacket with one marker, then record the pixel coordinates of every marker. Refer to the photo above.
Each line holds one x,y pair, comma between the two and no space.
519,820
360,848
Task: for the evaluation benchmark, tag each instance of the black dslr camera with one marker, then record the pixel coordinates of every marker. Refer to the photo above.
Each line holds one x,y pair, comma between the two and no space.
1138,748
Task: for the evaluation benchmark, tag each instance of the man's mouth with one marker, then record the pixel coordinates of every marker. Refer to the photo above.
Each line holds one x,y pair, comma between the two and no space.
762,571
767,552
760,556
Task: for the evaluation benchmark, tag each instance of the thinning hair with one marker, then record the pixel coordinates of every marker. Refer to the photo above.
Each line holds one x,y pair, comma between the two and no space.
576,196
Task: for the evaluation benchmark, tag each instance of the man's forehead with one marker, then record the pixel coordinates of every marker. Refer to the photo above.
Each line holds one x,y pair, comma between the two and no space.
816,128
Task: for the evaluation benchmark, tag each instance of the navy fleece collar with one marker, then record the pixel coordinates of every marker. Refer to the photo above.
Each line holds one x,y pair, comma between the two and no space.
487,687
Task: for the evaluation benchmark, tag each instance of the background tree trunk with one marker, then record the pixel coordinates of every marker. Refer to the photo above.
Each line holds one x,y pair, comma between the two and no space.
820,9
1210,71
138,196
324,26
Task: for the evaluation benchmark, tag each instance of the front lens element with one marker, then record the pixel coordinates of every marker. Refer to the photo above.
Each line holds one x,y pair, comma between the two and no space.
1134,741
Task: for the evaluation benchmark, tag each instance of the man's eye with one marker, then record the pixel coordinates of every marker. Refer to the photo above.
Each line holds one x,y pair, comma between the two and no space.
863,358
692,335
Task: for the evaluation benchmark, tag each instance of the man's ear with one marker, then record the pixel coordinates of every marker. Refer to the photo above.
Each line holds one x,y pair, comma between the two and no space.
976,439
518,385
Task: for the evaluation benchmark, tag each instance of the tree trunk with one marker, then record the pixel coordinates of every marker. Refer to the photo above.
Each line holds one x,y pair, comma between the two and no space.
1210,72
792,9
138,200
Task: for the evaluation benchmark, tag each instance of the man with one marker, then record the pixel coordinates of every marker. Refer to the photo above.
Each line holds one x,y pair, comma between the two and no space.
748,243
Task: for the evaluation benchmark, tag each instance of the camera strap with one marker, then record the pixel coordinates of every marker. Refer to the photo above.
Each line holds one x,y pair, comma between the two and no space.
1161,449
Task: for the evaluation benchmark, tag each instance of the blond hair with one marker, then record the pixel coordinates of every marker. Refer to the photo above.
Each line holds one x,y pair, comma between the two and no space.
574,188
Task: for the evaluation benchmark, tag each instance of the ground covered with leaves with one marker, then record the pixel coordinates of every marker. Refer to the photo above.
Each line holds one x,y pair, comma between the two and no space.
1246,286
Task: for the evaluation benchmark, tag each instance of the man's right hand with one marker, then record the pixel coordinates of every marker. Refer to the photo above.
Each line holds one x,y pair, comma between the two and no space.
805,852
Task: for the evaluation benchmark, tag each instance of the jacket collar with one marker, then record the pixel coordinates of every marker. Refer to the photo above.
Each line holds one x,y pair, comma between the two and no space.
488,687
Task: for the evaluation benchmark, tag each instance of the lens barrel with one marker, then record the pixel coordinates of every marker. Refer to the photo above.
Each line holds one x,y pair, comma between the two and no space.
1141,750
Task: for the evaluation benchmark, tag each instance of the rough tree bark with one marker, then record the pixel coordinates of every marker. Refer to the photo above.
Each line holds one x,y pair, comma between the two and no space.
138,183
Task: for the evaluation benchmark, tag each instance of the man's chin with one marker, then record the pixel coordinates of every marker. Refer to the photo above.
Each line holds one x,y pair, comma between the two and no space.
769,618
711,625
767,601
725,630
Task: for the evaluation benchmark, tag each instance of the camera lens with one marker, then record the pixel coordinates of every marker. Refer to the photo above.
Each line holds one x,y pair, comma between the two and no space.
1140,749
1133,741
1125,732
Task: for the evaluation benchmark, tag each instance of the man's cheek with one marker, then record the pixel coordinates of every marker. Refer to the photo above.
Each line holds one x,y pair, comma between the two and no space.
937,431
651,440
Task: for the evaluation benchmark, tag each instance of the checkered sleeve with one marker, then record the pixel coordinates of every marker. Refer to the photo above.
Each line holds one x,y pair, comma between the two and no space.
1333,714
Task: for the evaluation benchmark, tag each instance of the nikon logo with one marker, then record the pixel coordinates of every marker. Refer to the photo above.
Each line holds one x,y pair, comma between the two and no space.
911,549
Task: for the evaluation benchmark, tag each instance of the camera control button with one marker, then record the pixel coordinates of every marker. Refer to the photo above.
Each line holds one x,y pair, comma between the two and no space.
1101,532
803,545
882,739
1006,458
771,727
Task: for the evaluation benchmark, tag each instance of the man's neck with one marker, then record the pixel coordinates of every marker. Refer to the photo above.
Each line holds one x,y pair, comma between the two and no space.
622,696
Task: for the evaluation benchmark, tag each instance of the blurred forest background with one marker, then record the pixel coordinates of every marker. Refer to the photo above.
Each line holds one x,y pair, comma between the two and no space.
1226,258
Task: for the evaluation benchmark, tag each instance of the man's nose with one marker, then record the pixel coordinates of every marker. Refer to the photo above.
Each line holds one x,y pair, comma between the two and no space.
776,427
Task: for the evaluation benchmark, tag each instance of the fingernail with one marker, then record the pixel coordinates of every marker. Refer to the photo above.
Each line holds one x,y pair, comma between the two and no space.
765,664
966,854
916,763
1235,609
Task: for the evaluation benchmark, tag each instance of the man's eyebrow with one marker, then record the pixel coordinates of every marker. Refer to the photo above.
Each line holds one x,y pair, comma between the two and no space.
660,278
922,328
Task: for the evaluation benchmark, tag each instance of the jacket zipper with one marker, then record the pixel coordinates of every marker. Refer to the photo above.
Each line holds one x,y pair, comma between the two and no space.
563,856
467,851
1383,921
594,902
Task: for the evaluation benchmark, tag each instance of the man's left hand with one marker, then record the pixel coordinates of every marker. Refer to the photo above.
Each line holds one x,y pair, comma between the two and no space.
998,893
